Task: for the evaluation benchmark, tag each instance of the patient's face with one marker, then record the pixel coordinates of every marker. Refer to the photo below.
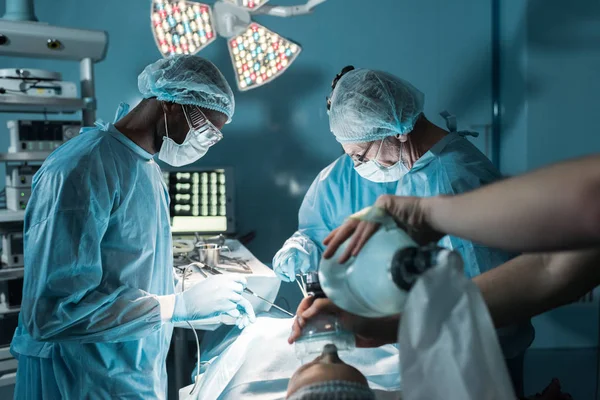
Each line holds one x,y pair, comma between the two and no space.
324,368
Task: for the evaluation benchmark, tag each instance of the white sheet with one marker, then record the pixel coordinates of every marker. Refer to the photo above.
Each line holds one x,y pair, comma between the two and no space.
258,362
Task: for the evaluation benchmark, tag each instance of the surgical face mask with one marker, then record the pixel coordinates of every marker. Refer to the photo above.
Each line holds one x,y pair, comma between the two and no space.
201,136
375,172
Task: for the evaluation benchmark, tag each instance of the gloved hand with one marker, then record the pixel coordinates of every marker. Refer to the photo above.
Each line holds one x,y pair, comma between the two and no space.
215,295
299,255
289,261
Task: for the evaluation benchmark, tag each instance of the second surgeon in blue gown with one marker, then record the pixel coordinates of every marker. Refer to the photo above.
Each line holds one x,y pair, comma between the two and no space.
391,148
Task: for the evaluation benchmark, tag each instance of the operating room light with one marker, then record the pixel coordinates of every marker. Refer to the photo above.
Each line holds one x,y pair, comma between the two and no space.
258,55
180,27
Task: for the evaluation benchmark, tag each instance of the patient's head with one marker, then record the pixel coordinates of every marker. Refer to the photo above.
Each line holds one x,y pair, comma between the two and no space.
328,377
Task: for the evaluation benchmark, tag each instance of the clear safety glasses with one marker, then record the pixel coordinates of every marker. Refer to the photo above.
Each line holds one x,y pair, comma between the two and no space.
359,159
200,125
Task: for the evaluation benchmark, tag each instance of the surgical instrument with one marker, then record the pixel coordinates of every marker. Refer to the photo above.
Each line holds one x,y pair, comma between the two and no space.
237,261
250,292
215,271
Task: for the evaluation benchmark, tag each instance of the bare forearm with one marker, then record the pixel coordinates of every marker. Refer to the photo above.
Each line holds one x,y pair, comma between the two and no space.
534,283
554,208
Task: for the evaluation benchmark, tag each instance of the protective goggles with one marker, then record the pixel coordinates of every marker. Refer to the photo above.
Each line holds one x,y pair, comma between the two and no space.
200,125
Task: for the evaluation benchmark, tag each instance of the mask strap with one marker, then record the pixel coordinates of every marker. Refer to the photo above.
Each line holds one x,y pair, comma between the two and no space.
166,125
379,151
401,148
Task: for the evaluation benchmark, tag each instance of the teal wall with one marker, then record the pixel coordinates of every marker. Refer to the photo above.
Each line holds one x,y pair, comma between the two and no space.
551,86
550,96
279,138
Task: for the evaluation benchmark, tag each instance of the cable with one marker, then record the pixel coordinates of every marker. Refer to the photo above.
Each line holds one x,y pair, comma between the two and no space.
301,288
303,285
4,90
34,85
185,270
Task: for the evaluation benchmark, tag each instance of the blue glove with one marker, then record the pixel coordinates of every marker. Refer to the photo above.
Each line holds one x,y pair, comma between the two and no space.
286,263
297,256
214,296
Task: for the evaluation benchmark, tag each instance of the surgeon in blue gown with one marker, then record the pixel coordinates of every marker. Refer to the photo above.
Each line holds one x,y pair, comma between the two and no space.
391,148
99,296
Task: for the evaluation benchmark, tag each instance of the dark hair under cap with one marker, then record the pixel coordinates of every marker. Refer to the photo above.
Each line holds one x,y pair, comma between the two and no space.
344,71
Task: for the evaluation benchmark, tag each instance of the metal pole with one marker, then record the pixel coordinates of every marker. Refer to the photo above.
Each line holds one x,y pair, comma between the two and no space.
88,93
19,10
496,81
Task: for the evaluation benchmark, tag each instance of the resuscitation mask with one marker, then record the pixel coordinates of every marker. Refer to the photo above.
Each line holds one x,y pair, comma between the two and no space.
321,331
375,172
201,136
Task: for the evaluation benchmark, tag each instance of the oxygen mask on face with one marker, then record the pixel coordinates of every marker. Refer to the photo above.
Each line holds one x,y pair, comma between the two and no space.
321,330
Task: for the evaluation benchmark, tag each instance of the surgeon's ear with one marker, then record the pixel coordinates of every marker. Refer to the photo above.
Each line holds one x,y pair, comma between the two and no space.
402,138
171,108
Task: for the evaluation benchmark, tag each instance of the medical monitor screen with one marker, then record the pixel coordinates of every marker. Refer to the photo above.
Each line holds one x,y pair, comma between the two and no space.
201,200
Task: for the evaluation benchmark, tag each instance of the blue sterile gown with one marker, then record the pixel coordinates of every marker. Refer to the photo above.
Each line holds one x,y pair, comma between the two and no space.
97,246
453,165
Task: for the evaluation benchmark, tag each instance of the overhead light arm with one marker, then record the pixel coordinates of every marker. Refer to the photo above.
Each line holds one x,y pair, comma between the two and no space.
289,11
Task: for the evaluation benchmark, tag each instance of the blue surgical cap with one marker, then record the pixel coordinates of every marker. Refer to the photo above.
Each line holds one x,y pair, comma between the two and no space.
334,390
371,105
188,79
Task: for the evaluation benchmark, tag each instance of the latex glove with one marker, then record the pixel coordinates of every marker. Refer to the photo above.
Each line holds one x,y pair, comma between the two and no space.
299,255
291,260
216,295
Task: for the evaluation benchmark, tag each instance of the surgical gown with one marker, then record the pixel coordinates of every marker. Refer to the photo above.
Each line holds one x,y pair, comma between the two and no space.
453,165
97,248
